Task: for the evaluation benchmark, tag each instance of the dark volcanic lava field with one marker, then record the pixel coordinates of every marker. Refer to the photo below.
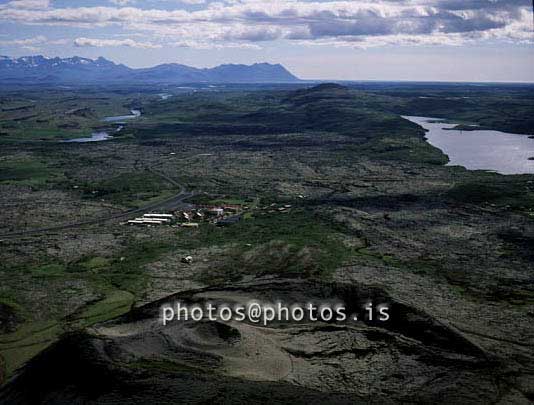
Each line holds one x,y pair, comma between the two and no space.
339,198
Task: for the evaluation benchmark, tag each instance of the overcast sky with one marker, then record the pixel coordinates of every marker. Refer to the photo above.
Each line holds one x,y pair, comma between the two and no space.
446,40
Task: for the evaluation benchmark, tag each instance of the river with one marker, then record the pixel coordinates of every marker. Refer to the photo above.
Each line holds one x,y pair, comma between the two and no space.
104,136
118,118
95,137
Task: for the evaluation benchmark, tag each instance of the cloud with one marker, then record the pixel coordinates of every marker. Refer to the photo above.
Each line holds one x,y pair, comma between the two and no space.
33,43
213,45
122,2
100,43
200,44
252,34
24,42
28,4
346,23
193,1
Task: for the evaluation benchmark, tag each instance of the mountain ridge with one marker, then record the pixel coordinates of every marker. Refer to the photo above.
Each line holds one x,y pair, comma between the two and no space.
41,69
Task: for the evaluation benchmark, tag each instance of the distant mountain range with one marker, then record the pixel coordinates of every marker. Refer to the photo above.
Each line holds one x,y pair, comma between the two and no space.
77,70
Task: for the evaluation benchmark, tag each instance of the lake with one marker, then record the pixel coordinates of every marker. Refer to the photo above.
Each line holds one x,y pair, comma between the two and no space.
496,151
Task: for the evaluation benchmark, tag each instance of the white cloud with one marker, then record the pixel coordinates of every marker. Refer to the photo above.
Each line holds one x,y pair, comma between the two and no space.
122,2
357,23
213,45
24,42
100,43
193,1
33,43
28,4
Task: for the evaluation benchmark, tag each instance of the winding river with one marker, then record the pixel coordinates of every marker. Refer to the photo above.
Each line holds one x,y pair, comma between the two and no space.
135,114
104,136
95,137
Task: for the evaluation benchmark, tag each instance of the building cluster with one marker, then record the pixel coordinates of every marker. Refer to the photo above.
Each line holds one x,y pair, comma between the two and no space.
276,208
219,215
152,219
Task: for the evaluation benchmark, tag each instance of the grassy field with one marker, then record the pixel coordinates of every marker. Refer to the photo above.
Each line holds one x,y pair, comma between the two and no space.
28,171
298,243
128,189
110,283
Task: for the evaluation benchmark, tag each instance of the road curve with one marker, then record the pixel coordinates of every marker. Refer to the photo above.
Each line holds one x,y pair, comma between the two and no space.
169,203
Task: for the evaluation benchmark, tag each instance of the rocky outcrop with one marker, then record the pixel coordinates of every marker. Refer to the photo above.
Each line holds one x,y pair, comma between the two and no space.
9,318
410,358
2,371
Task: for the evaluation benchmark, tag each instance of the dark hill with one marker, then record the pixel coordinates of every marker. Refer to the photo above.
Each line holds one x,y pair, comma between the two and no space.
330,107
135,359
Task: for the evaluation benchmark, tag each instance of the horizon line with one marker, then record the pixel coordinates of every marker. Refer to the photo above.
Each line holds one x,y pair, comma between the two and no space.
508,82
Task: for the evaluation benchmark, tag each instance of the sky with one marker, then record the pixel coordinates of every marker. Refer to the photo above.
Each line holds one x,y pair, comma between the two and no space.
421,40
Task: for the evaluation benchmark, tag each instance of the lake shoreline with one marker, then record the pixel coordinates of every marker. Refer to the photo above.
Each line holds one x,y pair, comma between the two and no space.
479,148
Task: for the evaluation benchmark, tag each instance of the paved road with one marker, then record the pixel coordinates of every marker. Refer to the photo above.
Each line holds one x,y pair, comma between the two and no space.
174,202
